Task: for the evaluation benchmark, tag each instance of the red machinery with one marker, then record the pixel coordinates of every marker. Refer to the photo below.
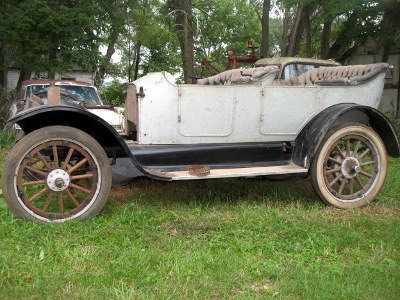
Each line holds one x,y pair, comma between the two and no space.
234,60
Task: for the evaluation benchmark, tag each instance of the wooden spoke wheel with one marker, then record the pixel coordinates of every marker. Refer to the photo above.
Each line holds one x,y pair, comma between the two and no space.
350,166
56,174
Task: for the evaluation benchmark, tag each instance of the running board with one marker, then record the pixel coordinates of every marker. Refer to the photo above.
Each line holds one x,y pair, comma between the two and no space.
235,172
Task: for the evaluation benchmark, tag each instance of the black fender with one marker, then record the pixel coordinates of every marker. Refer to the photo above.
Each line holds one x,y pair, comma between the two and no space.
79,118
309,140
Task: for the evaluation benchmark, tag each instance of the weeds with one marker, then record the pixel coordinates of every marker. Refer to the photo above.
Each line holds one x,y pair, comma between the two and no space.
7,138
395,119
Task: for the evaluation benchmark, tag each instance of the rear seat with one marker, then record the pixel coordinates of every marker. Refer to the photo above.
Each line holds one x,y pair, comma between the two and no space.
240,76
341,75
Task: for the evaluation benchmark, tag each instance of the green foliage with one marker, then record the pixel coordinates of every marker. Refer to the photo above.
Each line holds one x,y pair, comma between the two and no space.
221,26
395,119
113,93
51,35
58,36
7,138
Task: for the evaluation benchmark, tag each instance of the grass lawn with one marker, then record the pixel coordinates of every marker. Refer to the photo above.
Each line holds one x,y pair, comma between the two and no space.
211,239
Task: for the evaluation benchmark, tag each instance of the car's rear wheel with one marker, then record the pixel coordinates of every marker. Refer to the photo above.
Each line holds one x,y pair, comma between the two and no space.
56,174
350,166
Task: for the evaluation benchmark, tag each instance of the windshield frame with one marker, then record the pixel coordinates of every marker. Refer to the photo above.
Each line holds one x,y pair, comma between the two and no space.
91,94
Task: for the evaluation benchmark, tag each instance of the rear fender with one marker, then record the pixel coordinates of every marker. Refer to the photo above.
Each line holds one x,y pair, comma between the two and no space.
310,138
76,117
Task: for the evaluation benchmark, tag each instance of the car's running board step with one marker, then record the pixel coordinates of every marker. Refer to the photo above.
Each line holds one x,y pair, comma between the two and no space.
238,172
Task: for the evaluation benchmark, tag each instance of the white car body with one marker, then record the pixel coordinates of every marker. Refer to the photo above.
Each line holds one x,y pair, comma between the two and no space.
188,114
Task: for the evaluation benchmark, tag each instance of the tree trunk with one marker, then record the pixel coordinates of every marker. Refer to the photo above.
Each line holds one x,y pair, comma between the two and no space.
25,73
182,10
137,61
297,31
325,39
344,37
265,28
389,26
3,68
112,40
308,32
285,32
51,73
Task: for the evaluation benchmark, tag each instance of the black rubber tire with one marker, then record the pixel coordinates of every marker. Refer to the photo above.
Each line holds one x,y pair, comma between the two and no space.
83,146
347,167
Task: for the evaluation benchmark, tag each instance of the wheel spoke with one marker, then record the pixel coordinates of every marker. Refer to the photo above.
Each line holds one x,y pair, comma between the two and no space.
66,161
81,188
359,182
72,197
44,160
366,163
335,160
351,187
340,152
356,148
335,180
38,194
364,153
34,170
34,182
348,147
48,201
333,170
83,176
60,202
55,155
77,165
366,174
342,185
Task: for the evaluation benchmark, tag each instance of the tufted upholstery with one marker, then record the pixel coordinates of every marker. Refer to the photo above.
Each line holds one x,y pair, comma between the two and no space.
335,75
240,76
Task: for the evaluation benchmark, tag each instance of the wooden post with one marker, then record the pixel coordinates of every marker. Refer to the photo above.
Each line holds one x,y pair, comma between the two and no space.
53,95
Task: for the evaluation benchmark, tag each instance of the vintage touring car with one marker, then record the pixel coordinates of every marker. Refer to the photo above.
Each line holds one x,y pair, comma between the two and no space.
239,123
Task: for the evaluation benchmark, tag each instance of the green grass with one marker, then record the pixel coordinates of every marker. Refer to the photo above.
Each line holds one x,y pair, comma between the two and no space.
7,138
211,239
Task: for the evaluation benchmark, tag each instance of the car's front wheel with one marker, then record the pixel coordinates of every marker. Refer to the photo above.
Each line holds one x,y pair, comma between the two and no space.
350,166
56,174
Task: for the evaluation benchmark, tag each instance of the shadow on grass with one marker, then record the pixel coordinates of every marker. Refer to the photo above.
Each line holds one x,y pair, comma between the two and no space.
296,190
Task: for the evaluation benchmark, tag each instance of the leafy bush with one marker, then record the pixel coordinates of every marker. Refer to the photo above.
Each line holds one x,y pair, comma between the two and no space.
4,106
395,119
7,138
113,93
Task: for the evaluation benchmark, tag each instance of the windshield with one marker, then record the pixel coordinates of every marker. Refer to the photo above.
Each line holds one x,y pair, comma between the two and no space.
82,93
294,70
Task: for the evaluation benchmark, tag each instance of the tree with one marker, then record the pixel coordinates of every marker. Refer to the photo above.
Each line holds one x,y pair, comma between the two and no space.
114,24
389,27
45,38
265,8
182,12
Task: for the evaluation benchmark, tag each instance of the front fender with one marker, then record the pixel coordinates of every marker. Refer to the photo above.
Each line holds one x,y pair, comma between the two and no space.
79,118
311,136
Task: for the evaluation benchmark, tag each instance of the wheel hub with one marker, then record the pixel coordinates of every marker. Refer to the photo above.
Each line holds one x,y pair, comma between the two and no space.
350,167
58,180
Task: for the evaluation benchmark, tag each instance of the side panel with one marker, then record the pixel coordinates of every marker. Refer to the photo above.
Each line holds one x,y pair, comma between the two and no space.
212,114
191,114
